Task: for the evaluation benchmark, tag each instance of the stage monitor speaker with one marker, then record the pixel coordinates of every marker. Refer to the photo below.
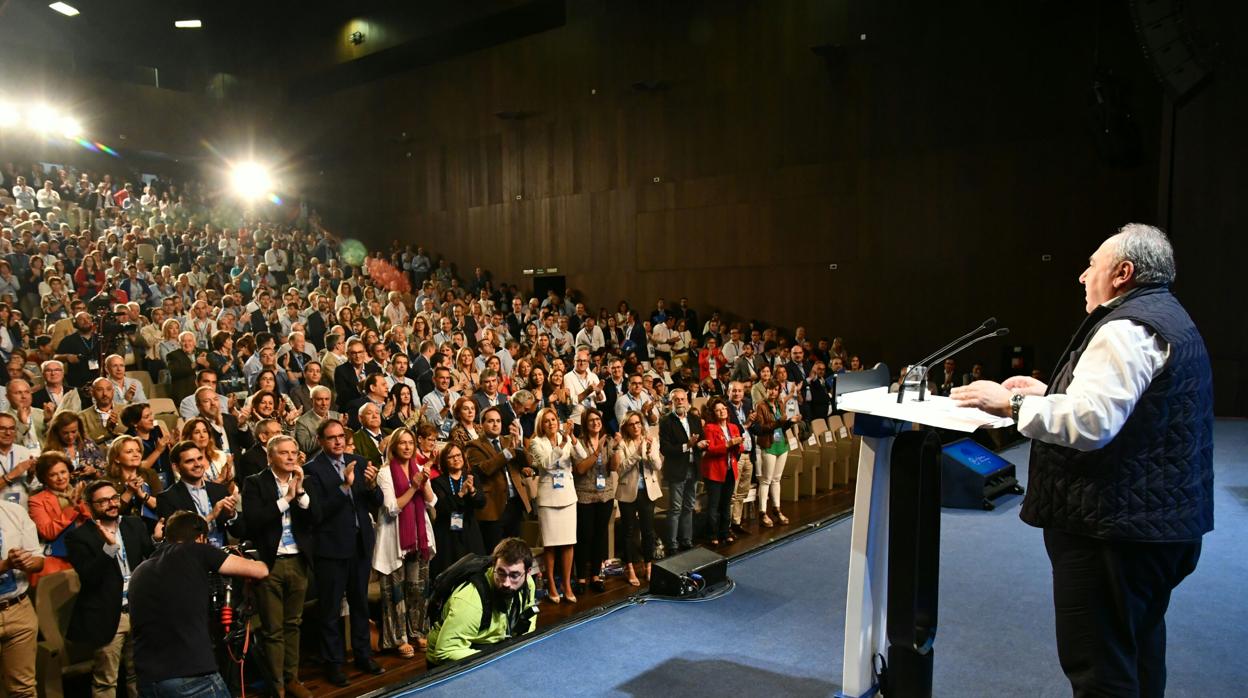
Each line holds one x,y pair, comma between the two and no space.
1167,39
971,476
669,576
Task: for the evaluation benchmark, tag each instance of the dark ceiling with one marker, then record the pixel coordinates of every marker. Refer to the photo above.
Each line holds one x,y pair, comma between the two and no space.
127,39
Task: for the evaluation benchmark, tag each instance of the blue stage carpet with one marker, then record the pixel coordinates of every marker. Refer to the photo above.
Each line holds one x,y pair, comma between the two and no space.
780,631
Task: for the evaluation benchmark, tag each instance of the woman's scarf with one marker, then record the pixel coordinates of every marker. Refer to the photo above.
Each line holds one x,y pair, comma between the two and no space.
412,533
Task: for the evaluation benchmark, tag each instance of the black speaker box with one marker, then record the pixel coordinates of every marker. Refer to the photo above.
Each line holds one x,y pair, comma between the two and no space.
665,577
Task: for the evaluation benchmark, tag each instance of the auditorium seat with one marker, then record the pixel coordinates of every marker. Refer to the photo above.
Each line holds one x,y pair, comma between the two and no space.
144,378
54,658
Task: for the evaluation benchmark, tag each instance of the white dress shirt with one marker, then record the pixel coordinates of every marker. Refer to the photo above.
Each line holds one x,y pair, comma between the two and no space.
1113,372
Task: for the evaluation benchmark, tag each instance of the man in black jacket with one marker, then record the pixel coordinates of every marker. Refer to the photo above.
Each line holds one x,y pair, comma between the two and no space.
104,552
1121,475
349,376
280,518
256,459
680,442
344,489
193,492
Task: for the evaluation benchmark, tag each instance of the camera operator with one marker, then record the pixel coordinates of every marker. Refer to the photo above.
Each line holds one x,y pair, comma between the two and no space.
80,352
171,599
458,632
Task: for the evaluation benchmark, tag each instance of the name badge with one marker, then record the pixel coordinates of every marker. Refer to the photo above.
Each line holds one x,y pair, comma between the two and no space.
600,482
93,364
557,480
16,497
457,521
777,435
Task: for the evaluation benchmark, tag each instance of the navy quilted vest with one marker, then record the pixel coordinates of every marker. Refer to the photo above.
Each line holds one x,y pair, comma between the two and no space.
1154,481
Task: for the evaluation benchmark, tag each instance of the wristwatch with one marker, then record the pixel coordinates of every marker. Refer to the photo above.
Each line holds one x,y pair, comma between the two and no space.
1016,402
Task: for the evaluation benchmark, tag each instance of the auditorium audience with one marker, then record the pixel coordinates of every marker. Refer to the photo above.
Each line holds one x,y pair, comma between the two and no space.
499,402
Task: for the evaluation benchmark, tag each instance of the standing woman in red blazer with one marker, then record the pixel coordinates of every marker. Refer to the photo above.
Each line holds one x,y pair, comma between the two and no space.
722,447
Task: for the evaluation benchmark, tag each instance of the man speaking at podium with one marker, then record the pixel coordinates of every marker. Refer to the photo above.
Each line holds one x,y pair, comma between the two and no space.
1121,465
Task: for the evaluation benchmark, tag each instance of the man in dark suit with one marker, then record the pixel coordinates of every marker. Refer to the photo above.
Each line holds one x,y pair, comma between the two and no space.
680,442
343,487
615,386
226,431
316,324
798,369
103,553
635,334
193,492
280,517
256,459
488,396
421,369
500,468
349,376
741,413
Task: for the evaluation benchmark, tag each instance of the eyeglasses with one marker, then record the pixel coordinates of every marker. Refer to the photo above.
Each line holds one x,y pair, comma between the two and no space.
115,499
501,574
334,437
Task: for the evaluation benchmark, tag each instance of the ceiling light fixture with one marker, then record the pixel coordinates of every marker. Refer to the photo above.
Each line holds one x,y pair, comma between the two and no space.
188,24
67,10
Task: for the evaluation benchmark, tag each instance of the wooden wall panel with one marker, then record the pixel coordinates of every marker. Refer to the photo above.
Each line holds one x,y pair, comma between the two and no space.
933,166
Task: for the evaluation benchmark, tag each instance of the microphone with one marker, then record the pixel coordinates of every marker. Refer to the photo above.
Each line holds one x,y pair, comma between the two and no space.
944,352
999,333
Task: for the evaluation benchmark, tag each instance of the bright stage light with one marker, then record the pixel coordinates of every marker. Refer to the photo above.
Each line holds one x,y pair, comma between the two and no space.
188,23
67,10
251,180
43,118
70,128
9,115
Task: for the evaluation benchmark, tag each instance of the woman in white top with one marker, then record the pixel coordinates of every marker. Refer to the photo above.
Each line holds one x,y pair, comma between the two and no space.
404,544
550,454
638,462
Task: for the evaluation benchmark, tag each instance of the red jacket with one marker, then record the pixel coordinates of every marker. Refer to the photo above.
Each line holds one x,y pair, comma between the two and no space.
719,456
704,363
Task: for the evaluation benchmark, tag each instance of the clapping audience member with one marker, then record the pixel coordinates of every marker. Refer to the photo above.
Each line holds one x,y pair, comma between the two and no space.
156,441
405,543
722,447
22,556
638,460
458,498
137,484
345,487
550,454
465,428
595,478
770,425
680,433
279,516
195,492
16,463
500,467
57,509
104,552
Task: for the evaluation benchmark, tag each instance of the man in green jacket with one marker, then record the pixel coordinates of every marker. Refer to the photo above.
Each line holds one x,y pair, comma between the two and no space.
459,632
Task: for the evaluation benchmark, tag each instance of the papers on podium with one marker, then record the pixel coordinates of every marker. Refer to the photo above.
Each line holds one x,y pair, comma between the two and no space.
935,410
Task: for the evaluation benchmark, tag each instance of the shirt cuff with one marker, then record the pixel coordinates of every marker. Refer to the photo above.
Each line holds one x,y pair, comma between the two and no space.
283,505
111,549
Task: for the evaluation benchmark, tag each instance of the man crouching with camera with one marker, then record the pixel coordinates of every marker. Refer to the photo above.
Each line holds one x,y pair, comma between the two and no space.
170,597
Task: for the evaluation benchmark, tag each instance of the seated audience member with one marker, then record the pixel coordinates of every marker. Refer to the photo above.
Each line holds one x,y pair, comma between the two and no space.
57,509
125,390
54,390
405,543
101,421
310,421
188,408
21,555
171,595
507,587
31,423
104,552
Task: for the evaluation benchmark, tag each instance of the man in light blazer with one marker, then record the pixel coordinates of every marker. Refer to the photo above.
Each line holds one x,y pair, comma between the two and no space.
501,471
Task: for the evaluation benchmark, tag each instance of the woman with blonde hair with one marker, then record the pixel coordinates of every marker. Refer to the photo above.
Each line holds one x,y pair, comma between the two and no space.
464,374
550,454
137,485
404,544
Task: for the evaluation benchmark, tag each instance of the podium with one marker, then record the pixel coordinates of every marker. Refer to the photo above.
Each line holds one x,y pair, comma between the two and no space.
890,606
